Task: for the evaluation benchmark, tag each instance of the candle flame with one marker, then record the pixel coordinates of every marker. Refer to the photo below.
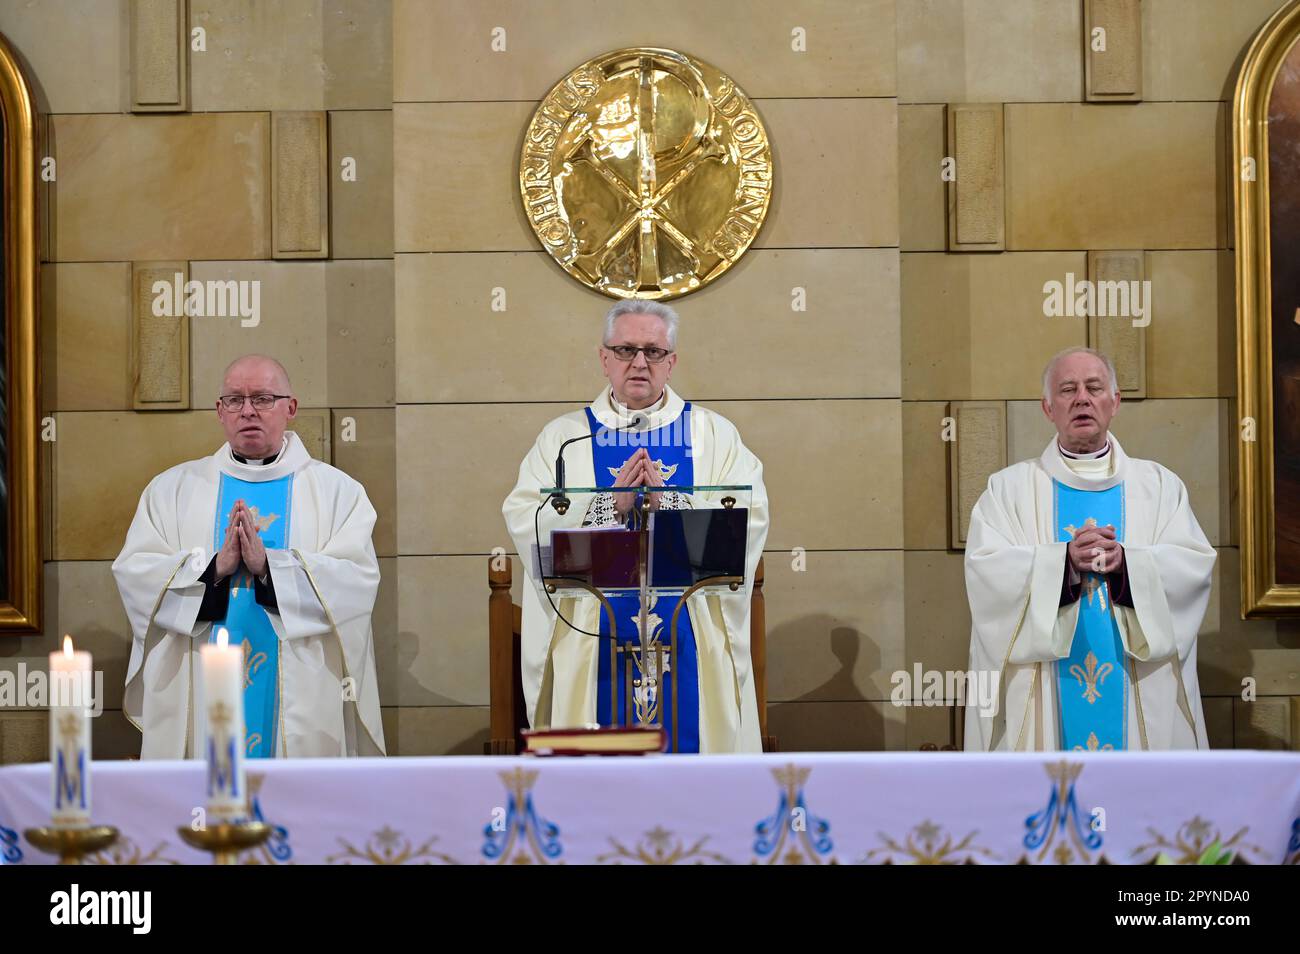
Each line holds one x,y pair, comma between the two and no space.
223,638
67,646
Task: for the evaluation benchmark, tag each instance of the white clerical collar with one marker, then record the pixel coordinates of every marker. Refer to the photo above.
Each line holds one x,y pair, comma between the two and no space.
1091,456
260,461
293,457
624,411
1096,472
610,412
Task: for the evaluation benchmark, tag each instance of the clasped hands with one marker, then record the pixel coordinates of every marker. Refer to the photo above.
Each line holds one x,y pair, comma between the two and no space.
637,471
1095,550
242,544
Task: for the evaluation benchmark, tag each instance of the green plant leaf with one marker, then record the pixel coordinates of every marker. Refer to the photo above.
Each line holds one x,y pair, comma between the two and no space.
1215,854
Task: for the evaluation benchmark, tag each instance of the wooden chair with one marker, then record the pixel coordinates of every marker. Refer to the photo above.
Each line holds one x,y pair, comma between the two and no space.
505,621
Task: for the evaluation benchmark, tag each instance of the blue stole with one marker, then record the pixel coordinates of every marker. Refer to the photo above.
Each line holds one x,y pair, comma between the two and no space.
670,448
246,621
1092,684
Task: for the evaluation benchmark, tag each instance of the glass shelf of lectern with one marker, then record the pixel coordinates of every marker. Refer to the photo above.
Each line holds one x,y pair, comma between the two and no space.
704,540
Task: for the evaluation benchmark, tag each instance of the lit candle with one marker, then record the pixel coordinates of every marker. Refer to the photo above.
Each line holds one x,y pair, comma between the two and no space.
223,688
70,737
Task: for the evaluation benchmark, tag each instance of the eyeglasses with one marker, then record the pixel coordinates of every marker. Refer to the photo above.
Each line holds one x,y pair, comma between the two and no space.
629,353
260,402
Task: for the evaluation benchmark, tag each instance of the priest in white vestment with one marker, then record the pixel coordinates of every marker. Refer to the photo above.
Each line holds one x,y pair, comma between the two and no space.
674,443
1088,577
273,546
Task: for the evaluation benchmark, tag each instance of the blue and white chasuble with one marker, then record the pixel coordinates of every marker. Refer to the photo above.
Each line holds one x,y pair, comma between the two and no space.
247,622
1092,682
1090,675
312,692
669,447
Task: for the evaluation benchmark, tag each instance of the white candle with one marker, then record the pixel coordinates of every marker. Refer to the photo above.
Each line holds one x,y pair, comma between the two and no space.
223,688
70,676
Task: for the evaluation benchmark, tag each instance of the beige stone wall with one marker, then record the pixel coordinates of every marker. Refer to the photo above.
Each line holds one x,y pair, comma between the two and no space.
843,402
138,183
1081,178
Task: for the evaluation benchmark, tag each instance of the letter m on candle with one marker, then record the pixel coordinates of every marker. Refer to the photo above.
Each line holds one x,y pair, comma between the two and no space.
221,770
67,787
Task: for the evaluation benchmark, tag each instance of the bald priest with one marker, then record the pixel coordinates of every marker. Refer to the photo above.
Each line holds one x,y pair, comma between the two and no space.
1088,577
275,547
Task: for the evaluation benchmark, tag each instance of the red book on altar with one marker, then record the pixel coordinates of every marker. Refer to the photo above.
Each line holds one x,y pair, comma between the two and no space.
621,740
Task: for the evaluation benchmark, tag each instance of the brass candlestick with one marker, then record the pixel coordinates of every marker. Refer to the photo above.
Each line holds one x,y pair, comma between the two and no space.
71,844
226,840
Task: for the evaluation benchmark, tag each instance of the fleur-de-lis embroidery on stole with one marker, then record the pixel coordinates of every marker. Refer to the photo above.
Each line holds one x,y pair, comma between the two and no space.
1092,677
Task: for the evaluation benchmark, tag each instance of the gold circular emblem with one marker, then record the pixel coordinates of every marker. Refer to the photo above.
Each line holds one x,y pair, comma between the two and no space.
646,173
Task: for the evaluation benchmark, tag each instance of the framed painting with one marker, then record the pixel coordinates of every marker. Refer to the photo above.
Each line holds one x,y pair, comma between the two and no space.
20,486
1266,189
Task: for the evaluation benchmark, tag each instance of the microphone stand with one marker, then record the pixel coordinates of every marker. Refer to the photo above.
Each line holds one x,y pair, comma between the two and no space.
649,676
559,502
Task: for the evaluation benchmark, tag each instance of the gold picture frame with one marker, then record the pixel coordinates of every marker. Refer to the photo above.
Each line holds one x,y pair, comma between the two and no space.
1262,593
20,604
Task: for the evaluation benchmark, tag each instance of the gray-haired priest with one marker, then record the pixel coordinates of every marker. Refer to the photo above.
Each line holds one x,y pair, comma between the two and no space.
566,680
273,546
1088,577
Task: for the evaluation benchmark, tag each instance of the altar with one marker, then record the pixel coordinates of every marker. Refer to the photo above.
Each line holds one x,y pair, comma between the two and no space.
797,808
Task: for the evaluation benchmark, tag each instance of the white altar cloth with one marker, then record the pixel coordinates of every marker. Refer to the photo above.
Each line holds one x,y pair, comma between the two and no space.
783,809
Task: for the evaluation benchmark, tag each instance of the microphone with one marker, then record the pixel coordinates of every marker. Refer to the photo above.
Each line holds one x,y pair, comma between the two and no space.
640,422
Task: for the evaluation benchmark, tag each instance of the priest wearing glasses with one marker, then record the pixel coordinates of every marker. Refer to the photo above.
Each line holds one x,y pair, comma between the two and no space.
673,443
273,546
